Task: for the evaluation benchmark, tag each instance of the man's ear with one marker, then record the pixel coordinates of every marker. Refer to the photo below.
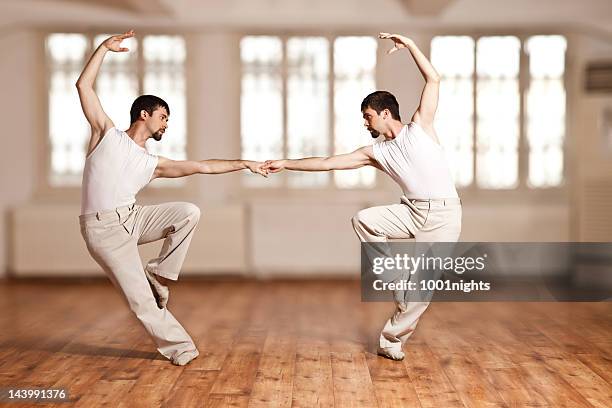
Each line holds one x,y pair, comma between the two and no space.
144,114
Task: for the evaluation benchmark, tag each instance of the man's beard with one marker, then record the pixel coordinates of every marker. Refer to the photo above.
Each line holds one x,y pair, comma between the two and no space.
157,136
374,133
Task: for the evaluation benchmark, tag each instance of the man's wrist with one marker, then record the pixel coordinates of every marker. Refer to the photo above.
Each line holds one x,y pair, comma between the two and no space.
407,42
201,167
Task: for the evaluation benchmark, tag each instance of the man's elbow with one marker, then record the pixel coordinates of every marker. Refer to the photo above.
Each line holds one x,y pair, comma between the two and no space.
80,85
327,164
434,79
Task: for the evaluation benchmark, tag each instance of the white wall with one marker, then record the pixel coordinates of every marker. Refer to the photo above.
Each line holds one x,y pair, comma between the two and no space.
19,105
48,242
592,189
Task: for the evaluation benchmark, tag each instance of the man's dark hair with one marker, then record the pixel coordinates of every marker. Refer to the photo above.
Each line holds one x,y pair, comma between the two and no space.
148,103
381,100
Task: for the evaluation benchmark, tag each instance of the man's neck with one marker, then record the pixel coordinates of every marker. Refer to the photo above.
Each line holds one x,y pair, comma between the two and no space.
138,133
394,129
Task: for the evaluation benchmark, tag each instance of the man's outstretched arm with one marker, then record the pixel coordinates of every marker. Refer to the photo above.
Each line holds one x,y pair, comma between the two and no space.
426,111
90,103
363,156
181,168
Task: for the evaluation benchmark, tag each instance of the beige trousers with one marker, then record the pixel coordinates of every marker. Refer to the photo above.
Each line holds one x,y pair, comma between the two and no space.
112,238
435,220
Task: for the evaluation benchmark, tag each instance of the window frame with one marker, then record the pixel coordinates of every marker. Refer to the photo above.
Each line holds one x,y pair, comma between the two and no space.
379,186
522,190
471,193
384,188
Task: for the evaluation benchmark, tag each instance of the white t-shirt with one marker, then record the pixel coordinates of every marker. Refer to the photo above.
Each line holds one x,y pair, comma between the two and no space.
417,163
115,171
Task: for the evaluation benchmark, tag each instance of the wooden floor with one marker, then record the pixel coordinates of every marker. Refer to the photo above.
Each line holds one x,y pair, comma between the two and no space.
303,344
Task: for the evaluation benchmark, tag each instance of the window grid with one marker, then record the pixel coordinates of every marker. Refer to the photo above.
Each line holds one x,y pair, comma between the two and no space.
65,63
454,59
526,160
545,100
261,98
497,108
351,83
164,74
307,105
354,178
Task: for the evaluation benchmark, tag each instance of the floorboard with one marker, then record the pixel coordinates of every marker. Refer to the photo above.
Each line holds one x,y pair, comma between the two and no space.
302,344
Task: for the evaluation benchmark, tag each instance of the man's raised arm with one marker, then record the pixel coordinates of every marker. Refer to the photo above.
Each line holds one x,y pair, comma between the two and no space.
426,111
363,156
90,103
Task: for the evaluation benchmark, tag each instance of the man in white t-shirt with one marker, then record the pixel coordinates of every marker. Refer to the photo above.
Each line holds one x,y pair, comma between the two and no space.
117,167
430,209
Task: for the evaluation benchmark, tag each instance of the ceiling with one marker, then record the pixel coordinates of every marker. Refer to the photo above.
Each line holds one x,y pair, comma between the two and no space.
594,15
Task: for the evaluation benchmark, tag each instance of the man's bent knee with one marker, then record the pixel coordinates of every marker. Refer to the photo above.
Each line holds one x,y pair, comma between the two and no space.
194,212
191,211
362,219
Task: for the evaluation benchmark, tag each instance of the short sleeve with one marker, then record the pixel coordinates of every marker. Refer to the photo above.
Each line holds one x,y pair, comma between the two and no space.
151,164
378,149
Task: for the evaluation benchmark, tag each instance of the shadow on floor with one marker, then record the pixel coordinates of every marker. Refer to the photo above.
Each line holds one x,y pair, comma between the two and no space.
75,348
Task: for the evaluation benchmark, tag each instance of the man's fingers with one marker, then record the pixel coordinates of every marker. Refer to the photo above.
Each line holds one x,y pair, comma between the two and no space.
260,170
268,164
394,37
127,34
392,50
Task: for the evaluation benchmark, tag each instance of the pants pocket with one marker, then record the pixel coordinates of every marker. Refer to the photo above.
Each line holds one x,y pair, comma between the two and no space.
130,222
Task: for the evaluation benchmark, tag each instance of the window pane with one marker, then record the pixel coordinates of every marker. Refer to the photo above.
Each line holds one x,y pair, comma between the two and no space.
545,110
164,76
497,101
354,73
68,129
307,105
453,58
261,103
546,56
117,81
